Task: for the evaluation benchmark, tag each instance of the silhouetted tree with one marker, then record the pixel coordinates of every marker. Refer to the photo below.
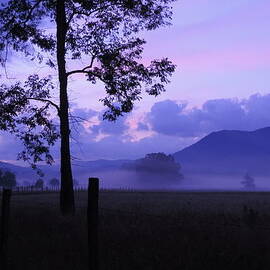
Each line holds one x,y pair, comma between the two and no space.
39,184
29,122
7,179
104,34
159,163
54,182
248,182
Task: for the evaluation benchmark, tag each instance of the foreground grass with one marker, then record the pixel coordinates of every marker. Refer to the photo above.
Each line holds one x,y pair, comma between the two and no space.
140,230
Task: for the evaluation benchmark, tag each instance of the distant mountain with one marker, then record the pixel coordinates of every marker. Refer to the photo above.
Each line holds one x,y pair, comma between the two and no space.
82,170
8,166
86,169
22,173
228,152
222,152
97,165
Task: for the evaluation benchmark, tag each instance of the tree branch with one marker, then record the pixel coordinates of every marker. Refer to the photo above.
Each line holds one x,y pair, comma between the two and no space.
31,11
48,101
84,70
78,71
104,7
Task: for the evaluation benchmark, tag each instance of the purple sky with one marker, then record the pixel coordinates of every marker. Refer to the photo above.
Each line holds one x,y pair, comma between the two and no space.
222,53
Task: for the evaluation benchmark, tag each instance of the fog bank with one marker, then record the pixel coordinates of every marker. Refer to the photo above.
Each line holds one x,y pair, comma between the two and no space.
122,179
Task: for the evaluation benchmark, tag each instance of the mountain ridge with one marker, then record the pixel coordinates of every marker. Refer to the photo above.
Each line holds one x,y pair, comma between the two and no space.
228,151
220,152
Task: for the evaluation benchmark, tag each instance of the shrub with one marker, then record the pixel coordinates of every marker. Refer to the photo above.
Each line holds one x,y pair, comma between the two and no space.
7,179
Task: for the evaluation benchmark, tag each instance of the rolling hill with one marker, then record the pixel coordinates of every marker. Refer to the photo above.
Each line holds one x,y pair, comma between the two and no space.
228,152
82,170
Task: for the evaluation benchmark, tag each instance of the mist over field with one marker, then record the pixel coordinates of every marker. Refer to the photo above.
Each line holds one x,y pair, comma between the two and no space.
126,179
220,161
123,179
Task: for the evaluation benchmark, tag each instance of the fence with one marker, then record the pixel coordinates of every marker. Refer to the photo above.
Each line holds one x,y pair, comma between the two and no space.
32,189
92,217
49,189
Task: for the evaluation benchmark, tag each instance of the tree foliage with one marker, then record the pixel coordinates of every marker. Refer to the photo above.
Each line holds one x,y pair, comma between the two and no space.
27,121
248,182
102,34
54,182
158,163
7,179
39,184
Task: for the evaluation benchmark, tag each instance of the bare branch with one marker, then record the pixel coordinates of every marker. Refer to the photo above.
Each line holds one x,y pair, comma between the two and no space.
48,101
78,71
84,70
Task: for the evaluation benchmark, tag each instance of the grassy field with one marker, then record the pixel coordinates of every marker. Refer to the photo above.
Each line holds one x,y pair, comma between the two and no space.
144,230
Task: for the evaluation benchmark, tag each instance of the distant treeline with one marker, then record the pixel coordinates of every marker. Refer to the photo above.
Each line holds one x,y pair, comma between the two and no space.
156,164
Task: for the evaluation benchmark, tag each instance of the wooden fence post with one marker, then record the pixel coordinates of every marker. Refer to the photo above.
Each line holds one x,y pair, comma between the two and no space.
4,227
92,217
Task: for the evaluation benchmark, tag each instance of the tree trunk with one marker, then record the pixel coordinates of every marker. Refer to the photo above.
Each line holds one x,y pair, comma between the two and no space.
67,204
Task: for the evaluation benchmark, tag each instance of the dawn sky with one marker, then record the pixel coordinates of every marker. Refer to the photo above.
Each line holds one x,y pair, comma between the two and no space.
222,53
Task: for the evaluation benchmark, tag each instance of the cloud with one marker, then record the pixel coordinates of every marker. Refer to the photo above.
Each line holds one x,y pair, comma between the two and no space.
117,127
221,114
168,127
170,118
128,138
113,147
142,126
84,113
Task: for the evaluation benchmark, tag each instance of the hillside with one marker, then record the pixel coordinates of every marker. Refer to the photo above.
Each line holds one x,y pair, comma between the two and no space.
82,170
228,152
22,173
223,152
